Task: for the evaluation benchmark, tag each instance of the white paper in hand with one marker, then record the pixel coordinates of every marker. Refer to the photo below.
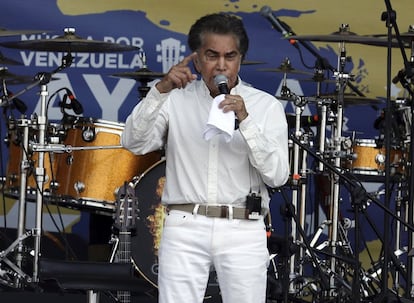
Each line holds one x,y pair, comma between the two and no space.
219,122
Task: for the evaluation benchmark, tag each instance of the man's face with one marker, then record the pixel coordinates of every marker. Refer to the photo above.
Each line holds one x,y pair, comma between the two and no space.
219,54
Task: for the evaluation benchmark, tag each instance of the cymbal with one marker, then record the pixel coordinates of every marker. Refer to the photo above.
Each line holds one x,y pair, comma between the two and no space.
247,62
143,74
317,79
69,42
8,61
11,78
406,37
345,36
350,99
6,32
286,70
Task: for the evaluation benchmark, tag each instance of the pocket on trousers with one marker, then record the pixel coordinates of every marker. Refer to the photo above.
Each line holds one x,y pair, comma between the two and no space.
176,218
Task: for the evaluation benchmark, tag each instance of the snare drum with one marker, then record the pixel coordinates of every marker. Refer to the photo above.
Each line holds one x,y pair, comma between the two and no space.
369,158
97,166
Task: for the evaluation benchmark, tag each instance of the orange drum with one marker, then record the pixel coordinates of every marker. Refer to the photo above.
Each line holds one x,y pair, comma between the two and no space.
369,159
97,166
15,142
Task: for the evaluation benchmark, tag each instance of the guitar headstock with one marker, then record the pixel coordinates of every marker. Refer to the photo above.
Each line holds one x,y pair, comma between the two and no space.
126,208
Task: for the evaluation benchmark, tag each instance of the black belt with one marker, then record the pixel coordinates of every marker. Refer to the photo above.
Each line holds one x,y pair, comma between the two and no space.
215,211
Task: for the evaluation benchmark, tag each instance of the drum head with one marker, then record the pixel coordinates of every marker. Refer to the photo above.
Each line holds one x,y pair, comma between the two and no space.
146,238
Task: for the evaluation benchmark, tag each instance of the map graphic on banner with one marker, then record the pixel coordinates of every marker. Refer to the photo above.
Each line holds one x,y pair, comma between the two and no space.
159,29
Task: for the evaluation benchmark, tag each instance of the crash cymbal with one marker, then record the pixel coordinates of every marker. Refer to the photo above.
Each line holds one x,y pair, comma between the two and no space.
69,42
6,32
143,74
349,99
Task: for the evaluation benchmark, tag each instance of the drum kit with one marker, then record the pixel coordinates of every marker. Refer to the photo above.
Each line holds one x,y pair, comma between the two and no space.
340,162
71,163
68,164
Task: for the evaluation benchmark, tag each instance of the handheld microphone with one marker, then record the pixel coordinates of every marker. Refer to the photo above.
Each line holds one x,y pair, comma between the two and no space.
267,12
75,105
221,83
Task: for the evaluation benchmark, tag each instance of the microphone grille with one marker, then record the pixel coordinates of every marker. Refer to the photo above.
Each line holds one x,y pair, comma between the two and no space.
220,79
265,10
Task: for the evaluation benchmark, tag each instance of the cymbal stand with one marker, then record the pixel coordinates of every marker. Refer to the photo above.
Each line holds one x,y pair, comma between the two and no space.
295,194
341,78
24,166
41,79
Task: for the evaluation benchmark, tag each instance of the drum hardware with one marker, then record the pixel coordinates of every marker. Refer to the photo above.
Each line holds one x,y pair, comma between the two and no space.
289,212
359,199
41,79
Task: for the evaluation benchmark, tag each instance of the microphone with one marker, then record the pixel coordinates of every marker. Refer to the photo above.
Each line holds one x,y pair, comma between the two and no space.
267,12
75,105
305,121
221,83
17,103
400,75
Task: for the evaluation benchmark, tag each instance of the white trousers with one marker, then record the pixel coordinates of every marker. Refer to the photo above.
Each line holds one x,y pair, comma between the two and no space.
190,245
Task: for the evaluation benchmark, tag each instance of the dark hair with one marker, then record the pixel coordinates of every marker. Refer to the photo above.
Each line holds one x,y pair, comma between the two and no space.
218,24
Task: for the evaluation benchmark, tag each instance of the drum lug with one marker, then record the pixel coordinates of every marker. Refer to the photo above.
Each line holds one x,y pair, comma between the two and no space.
380,159
79,187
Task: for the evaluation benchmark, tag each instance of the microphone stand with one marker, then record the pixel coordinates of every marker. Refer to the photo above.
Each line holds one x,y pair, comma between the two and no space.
389,16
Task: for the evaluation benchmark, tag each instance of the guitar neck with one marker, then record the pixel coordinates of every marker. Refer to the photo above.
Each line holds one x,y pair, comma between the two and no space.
124,256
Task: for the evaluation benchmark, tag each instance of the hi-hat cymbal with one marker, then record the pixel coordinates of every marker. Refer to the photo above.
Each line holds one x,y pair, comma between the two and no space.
6,32
143,74
69,42
349,99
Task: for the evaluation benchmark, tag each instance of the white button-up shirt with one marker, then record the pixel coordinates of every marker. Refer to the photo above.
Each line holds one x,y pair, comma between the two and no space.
214,171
